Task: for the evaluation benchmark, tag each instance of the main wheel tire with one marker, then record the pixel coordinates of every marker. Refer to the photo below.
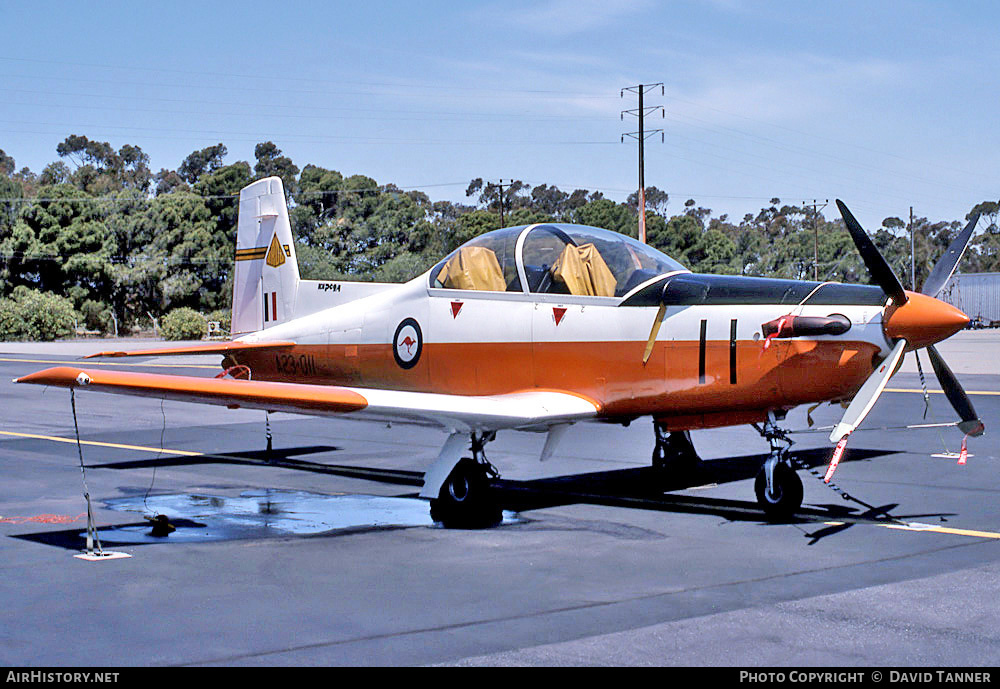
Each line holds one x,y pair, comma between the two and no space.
467,500
676,454
788,493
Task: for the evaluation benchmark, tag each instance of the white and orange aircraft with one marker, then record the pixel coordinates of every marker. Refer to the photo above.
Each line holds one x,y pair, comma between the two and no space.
543,326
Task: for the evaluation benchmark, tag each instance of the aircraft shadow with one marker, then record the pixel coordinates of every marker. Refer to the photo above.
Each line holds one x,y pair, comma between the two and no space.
276,458
651,489
75,538
636,488
652,486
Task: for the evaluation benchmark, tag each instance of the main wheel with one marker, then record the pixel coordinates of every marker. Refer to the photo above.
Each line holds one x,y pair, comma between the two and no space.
787,496
675,453
466,500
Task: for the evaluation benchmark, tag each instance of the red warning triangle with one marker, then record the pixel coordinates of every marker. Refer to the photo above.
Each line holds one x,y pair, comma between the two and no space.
456,306
558,312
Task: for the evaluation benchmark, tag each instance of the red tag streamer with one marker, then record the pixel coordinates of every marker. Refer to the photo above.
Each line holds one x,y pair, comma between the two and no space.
838,452
776,333
237,371
963,455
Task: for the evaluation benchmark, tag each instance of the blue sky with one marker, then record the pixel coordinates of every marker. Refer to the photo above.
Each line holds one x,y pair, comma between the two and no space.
882,104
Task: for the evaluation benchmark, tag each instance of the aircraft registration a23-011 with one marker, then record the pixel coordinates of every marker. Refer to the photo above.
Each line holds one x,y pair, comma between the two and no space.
543,326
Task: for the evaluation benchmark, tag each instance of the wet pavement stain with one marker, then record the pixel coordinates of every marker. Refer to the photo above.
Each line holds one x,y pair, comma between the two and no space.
266,513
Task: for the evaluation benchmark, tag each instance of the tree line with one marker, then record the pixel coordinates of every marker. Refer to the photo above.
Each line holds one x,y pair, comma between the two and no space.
122,243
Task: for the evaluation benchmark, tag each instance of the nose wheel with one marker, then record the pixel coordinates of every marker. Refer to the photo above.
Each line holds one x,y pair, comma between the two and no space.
780,496
777,486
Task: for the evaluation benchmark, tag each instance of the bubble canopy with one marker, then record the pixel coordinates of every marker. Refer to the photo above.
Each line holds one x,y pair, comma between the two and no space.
552,258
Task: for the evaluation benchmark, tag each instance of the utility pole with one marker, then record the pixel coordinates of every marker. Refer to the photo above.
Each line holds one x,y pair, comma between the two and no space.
641,137
913,253
500,186
816,205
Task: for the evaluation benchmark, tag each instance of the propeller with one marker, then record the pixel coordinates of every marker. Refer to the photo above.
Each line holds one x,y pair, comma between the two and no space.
880,270
920,315
970,424
868,394
947,263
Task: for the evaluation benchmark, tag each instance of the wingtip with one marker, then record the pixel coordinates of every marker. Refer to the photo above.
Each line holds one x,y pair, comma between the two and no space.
97,355
62,376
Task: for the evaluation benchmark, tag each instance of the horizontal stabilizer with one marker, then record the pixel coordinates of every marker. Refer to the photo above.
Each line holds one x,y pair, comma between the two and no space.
212,348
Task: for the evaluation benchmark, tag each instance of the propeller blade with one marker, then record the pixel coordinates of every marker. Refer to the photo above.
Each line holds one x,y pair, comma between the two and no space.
868,394
970,424
879,269
949,261
657,322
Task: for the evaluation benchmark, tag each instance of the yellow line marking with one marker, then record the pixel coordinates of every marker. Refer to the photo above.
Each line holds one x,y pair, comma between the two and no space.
942,529
969,392
915,527
73,362
118,446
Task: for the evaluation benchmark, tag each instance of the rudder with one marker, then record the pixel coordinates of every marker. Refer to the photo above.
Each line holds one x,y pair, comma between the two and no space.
266,269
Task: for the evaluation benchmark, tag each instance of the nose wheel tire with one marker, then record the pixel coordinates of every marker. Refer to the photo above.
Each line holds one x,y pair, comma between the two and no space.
467,500
781,503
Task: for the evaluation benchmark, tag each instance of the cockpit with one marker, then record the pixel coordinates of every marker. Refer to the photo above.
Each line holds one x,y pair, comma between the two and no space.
552,258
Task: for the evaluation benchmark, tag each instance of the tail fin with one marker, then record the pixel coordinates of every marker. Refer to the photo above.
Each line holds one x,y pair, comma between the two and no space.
266,271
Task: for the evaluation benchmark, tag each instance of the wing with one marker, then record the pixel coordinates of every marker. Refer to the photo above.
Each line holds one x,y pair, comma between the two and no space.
212,348
526,409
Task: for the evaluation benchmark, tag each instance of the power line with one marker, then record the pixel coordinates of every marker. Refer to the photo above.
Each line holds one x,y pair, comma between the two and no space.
812,153
303,138
433,115
812,135
437,89
233,197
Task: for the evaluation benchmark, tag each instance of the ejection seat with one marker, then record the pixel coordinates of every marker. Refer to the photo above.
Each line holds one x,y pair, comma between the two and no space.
473,267
583,272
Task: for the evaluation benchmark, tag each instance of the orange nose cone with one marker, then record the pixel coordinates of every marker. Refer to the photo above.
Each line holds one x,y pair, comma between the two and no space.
923,320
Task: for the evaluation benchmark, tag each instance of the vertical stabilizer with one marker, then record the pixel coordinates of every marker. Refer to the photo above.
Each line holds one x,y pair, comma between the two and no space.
267,274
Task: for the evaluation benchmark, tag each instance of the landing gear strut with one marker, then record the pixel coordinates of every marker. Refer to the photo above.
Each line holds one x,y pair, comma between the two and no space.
674,451
778,487
467,500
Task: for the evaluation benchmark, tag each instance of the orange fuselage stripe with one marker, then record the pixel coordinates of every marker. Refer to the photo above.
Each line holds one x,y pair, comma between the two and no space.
787,374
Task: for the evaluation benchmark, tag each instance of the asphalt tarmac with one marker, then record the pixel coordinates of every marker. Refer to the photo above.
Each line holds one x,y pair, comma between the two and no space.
319,553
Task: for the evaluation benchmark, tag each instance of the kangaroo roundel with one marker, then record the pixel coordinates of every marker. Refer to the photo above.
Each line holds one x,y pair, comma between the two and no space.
408,342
